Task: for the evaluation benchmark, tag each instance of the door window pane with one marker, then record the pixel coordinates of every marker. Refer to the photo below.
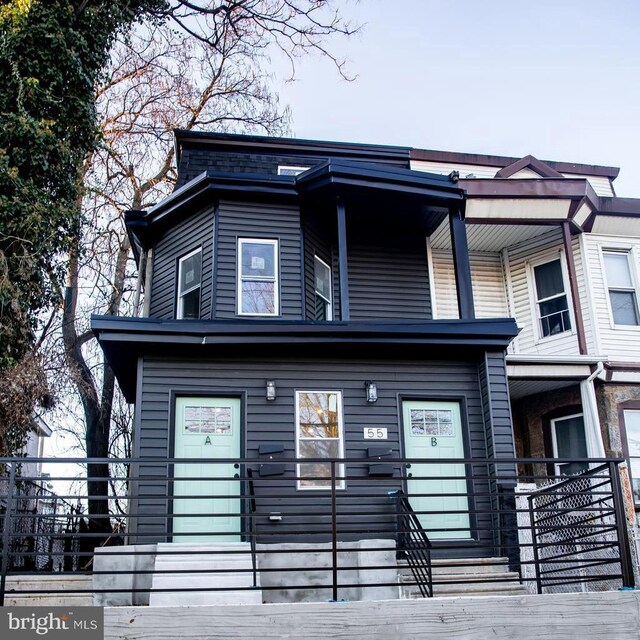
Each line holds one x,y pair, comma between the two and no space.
570,442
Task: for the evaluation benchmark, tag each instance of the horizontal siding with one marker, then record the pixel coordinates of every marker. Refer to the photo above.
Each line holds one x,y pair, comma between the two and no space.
615,343
600,184
489,294
445,168
275,421
543,247
188,234
252,220
316,243
389,282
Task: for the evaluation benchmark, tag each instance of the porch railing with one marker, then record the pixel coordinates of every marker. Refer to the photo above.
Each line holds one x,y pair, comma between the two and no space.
287,529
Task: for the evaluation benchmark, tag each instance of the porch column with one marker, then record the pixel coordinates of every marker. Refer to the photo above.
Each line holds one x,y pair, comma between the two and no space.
343,271
573,285
461,263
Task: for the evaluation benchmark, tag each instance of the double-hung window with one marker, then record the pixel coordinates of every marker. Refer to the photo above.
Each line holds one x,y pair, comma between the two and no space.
189,285
257,277
322,278
552,303
622,292
319,434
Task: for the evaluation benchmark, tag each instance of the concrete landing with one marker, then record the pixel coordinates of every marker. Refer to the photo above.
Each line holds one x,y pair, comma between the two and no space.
230,566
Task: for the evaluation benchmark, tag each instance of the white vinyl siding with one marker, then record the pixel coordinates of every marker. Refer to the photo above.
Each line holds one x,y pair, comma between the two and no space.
489,295
617,342
445,168
600,184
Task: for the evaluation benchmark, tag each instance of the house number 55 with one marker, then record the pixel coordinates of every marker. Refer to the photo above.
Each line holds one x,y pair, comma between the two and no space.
434,442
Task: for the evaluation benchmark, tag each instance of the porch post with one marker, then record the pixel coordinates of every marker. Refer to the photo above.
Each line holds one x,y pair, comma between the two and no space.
461,263
343,271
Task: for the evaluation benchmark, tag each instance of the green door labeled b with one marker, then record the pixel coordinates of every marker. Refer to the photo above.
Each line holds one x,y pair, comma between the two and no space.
432,432
206,503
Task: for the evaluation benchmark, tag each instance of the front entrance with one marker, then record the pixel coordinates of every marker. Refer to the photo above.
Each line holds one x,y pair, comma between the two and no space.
207,428
433,430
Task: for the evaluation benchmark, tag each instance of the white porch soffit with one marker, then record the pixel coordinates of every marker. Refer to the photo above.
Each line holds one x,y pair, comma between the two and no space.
528,209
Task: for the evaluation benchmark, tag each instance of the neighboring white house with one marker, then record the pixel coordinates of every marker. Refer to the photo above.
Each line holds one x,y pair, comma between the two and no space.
551,245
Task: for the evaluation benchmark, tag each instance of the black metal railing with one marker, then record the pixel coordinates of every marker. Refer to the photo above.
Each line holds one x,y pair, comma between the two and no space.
290,529
413,544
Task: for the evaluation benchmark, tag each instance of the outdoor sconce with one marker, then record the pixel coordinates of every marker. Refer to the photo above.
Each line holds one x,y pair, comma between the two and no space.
372,391
271,390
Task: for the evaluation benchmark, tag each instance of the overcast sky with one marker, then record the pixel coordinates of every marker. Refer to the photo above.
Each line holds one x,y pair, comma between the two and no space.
557,79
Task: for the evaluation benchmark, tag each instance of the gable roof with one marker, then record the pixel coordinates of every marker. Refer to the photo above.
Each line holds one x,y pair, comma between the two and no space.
431,155
529,162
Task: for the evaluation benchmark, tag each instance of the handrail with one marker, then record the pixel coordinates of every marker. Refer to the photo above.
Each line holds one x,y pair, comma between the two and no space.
252,533
413,543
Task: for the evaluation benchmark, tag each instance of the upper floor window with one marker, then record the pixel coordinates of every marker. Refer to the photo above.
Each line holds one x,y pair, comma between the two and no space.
290,170
551,299
257,277
622,292
189,285
322,277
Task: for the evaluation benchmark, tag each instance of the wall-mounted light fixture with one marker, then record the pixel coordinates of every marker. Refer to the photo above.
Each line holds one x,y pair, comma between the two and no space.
372,391
271,390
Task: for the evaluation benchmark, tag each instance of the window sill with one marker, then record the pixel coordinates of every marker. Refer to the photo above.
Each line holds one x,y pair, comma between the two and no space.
555,337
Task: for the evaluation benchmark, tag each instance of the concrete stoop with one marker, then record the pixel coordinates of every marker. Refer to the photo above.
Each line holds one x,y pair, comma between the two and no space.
470,577
231,559
64,585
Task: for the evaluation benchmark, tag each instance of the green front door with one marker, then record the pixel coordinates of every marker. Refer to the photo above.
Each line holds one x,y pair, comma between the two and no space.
209,502
433,431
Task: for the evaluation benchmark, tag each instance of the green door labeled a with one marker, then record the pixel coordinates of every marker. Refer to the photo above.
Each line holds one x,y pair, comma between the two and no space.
433,431
206,506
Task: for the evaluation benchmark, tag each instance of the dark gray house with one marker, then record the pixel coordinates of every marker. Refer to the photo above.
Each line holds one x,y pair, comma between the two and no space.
288,318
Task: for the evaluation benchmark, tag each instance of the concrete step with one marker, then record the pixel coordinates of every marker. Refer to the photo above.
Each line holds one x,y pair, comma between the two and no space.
35,582
237,577
468,577
63,585
463,565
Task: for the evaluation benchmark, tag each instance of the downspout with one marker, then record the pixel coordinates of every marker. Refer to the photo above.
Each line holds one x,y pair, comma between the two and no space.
147,284
593,433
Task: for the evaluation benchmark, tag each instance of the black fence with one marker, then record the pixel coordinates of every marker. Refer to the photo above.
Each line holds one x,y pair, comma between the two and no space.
282,530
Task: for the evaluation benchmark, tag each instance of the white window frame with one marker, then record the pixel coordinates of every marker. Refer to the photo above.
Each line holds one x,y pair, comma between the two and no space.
276,276
330,301
535,301
554,438
181,294
292,167
628,251
340,468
